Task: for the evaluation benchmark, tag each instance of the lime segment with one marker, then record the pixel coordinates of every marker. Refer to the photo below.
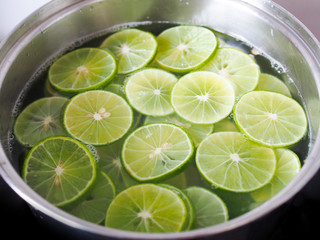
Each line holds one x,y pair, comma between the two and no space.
271,119
97,117
82,69
271,83
231,162
156,151
226,125
202,97
147,208
185,48
60,169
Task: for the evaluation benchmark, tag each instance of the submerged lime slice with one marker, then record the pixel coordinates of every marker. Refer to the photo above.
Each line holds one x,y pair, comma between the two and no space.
94,207
82,69
147,208
209,208
60,169
202,97
231,162
132,48
236,66
288,166
156,151
271,83
149,91
185,48
226,125
39,120
97,117
271,119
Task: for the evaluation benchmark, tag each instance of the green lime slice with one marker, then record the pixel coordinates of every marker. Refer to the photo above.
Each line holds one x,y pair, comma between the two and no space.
178,181
226,125
147,208
116,88
202,97
209,208
185,48
39,120
197,132
149,91
231,162
82,69
271,83
95,205
60,169
288,166
50,91
236,66
156,151
271,119
97,117
132,48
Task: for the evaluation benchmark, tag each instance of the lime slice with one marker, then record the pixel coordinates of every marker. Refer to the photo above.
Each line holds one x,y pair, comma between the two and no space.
149,91
39,120
209,208
147,208
97,117
202,97
197,132
156,151
60,169
178,181
271,119
288,166
83,69
271,83
226,125
94,207
231,162
50,91
185,48
115,88
132,48
236,66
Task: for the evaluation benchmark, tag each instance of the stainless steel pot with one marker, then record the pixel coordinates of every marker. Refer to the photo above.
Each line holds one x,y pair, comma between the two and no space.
62,24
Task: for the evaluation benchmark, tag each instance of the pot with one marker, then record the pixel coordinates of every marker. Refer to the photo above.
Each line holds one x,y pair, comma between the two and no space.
65,24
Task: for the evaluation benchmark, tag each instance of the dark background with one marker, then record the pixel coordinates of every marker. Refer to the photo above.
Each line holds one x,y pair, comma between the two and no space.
301,221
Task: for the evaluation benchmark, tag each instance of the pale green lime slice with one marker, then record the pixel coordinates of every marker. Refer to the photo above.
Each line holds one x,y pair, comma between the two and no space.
226,125
185,48
50,91
82,69
202,97
271,119
178,181
147,208
97,117
236,66
149,91
95,205
39,120
230,161
197,132
156,151
209,208
60,169
116,88
271,83
132,48
288,166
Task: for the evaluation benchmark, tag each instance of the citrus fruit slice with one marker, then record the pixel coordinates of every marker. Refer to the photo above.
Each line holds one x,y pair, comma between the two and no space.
202,97
147,208
97,117
185,48
60,169
226,125
236,66
197,132
149,91
94,207
288,166
50,91
271,83
132,48
115,88
39,120
271,119
209,208
231,162
156,151
82,69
